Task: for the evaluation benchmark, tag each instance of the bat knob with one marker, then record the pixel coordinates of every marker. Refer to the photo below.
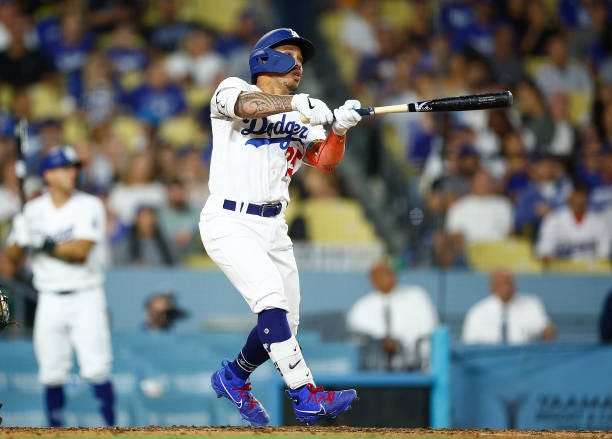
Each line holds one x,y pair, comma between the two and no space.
510,98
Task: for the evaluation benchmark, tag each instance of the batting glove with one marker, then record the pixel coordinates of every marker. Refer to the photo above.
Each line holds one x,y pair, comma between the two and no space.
314,110
346,117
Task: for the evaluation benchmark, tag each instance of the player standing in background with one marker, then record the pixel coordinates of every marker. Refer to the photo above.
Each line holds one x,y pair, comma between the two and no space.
63,231
259,141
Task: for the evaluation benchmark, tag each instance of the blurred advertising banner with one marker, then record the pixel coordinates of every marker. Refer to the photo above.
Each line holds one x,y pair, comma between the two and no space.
532,387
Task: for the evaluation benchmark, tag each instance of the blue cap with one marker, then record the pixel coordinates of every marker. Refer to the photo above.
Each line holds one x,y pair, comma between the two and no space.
58,157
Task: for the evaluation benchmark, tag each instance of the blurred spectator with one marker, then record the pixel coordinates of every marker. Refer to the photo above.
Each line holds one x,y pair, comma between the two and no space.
137,187
169,30
197,63
574,232
22,66
538,126
364,20
506,316
100,95
539,25
547,189
560,73
126,50
144,244
193,171
69,52
481,215
507,65
395,322
516,164
158,98
479,34
236,45
161,312
605,320
178,220
10,203
601,192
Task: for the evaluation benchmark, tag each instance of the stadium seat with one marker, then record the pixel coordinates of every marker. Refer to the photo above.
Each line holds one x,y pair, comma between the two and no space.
338,221
181,131
74,129
197,96
579,107
130,131
514,254
580,266
45,101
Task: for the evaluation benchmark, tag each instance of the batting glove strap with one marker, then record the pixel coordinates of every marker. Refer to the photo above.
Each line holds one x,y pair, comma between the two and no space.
346,117
314,110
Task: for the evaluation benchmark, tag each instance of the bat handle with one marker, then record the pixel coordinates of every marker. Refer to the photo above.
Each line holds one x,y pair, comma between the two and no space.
368,111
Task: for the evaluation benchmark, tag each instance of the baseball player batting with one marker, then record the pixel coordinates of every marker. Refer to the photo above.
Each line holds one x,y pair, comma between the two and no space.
63,232
259,142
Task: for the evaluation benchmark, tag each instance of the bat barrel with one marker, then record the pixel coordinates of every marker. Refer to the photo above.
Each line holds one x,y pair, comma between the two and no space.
464,103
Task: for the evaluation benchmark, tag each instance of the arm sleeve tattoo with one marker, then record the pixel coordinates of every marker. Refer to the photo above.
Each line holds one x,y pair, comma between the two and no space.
253,105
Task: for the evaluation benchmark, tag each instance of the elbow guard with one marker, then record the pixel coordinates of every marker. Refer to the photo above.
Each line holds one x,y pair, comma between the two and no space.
327,154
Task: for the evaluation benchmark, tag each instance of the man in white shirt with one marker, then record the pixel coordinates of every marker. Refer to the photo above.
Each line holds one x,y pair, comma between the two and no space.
396,320
481,215
573,231
506,317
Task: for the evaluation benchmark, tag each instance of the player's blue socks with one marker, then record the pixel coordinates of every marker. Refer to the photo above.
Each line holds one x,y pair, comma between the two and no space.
54,402
272,326
250,357
106,401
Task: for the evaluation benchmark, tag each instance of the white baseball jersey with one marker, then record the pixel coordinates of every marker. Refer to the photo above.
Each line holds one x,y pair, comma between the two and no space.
253,159
71,311
562,236
82,217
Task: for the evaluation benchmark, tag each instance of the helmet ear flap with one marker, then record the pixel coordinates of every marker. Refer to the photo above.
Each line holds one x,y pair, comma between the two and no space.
267,60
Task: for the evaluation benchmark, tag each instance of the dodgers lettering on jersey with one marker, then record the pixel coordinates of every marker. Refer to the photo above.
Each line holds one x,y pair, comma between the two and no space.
254,159
82,217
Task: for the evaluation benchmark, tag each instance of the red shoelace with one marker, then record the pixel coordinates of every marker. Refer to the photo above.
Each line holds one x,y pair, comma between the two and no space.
318,394
245,394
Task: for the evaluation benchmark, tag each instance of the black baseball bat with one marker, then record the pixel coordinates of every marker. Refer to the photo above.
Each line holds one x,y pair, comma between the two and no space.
21,140
456,103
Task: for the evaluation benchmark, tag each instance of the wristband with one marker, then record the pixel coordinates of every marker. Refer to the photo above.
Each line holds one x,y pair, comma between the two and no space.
48,246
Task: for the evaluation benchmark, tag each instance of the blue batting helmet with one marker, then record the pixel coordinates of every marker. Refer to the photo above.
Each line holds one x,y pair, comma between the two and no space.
58,157
264,59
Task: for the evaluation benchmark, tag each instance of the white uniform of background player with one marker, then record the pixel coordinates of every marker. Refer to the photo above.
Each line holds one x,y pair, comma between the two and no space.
259,142
65,232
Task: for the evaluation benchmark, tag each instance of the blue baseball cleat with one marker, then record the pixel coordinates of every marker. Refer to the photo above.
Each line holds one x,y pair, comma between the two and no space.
312,404
238,391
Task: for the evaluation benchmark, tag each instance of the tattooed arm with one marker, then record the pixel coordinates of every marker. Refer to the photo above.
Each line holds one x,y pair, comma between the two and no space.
253,105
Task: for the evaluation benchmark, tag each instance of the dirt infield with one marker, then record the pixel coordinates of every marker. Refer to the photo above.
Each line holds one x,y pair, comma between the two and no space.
19,432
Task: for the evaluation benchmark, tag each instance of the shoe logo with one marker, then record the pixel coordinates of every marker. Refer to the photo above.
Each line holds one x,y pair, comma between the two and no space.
310,104
292,366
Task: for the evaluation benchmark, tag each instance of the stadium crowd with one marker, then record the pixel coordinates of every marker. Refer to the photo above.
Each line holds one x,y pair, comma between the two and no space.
128,83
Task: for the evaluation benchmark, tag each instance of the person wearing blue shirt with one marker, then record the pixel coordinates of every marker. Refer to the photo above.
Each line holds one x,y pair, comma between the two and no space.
545,192
158,98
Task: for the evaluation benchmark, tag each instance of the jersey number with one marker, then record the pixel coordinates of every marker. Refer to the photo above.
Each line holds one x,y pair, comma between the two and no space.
292,155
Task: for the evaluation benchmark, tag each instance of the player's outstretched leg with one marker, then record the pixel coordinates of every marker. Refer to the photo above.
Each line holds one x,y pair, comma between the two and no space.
312,404
238,391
